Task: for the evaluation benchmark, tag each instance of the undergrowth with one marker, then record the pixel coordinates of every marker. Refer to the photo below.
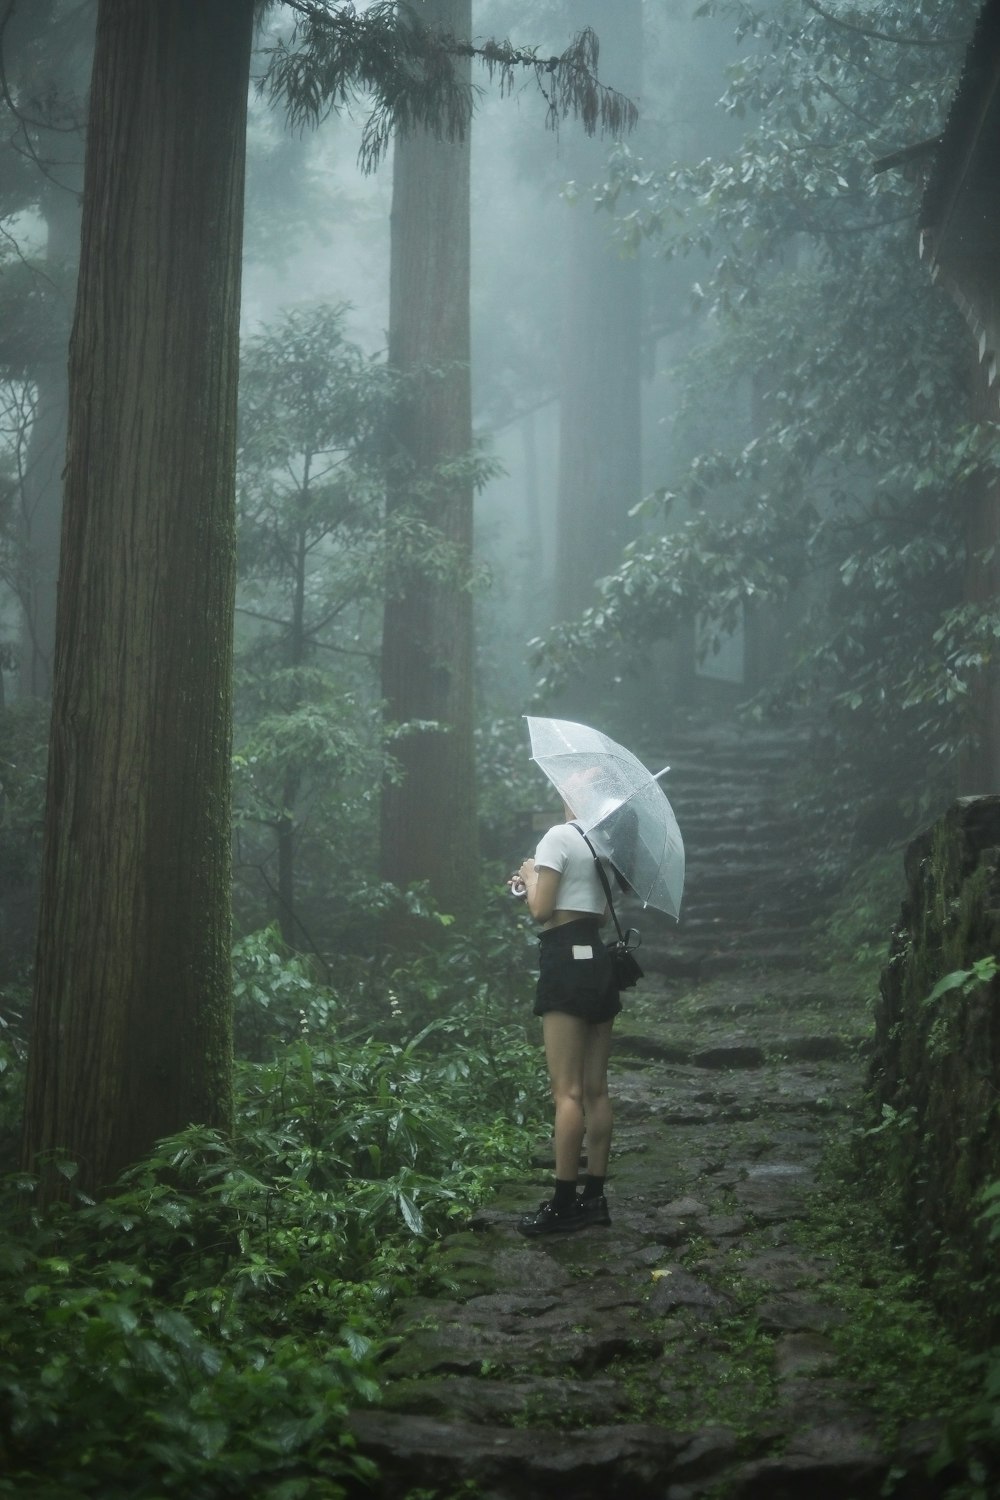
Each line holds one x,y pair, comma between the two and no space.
914,1371
203,1329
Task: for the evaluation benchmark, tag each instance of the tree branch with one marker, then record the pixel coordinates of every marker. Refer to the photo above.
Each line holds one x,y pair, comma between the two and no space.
336,55
884,36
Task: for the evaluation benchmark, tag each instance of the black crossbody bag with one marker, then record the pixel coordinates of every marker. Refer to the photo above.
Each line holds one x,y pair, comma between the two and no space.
623,961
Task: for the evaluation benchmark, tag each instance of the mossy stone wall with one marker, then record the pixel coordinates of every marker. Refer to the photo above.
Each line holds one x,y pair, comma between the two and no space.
935,1077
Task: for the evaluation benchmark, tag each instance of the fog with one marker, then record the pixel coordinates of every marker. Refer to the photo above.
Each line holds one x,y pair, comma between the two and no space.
683,430
318,230
717,404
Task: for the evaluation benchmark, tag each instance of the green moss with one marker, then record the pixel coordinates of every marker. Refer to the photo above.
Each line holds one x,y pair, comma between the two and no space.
934,1140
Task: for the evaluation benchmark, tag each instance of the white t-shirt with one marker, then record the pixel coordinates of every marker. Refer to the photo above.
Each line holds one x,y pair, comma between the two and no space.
563,849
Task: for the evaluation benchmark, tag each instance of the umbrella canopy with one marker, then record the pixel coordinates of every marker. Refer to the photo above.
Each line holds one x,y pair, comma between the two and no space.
617,801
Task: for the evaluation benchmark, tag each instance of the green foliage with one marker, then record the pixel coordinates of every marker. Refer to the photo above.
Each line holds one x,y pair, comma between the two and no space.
837,376
971,1441
312,421
23,752
14,1007
890,1343
965,980
202,1330
316,553
130,1397
411,76
856,930
510,791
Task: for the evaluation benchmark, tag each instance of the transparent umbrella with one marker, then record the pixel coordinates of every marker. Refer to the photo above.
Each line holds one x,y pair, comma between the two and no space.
618,803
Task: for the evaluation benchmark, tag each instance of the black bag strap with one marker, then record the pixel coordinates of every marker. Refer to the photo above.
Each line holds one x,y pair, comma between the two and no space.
623,937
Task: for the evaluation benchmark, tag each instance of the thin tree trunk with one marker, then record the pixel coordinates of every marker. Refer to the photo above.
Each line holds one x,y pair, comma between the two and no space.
429,821
132,1014
297,649
600,445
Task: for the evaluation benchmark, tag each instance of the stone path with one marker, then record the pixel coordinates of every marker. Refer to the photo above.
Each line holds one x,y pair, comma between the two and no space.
689,1350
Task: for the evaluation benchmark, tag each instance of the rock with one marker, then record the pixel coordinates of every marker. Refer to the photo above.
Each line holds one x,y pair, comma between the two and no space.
673,1288
722,1226
798,1476
794,1312
548,1400
708,1453
935,1065
655,1048
633,1361
730,1055
773,1192
684,1208
803,1353
816,1048
784,1269
615,1463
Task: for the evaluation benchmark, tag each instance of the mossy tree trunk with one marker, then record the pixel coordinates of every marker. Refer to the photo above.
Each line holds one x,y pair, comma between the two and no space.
429,819
132,1015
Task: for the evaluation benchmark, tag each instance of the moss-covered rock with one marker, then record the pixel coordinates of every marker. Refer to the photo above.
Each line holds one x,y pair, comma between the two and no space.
936,1065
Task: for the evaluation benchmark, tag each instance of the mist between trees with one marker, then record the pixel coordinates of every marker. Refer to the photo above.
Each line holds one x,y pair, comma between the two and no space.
367,380
613,383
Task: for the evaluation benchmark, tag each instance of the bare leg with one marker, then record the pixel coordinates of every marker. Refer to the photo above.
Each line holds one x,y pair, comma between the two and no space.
565,1053
596,1101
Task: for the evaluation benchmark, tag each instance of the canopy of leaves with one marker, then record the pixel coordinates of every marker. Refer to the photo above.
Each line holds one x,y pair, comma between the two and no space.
314,460
825,432
337,55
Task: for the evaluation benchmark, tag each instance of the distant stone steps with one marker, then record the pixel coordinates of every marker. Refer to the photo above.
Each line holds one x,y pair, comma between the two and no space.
752,891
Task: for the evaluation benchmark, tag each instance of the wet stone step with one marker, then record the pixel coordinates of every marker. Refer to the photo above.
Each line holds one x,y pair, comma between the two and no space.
597,1364
735,1054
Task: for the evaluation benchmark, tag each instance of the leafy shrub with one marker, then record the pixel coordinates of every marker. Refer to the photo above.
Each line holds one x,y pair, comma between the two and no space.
13,1057
202,1331
23,751
857,930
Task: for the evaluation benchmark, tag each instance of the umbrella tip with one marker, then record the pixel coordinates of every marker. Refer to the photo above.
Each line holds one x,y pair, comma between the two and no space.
661,773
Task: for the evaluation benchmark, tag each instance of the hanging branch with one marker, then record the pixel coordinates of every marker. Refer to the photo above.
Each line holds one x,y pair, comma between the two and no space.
884,36
336,56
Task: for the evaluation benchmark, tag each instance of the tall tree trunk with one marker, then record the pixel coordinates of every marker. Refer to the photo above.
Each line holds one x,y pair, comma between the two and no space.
429,820
600,447
132,1013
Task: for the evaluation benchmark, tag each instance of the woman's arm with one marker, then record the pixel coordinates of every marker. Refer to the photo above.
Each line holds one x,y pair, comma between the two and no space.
541,889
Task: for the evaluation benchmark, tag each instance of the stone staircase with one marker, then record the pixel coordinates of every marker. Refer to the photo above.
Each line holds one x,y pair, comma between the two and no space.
752,888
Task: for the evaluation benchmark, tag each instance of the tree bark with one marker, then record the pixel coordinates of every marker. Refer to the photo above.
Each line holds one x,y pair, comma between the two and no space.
132,1012
600,443
429,820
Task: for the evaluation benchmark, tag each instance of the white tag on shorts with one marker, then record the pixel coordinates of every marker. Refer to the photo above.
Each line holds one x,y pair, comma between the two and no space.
582,950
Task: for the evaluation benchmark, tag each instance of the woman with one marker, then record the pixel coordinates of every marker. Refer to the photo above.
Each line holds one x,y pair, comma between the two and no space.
577,1000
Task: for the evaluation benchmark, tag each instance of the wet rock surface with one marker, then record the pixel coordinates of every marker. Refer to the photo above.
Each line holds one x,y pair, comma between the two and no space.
690,1349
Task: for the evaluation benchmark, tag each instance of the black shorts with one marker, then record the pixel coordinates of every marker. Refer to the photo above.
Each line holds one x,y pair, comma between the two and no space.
583,987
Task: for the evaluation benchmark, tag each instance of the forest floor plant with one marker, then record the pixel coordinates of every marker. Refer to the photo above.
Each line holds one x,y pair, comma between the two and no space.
201,1330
